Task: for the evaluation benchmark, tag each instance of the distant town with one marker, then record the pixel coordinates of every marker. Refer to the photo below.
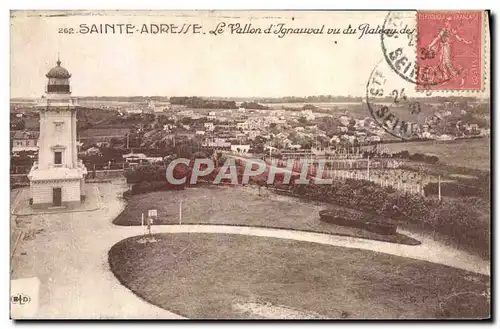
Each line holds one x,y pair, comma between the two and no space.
317,124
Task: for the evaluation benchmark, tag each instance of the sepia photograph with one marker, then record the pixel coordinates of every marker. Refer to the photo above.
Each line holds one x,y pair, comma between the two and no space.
250,165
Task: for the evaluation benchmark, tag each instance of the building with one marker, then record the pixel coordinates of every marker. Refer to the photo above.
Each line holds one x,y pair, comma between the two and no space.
140,158
308,114
484,132
252,134
359,123
186,113
217,144
209,126
374,138
239,148
472,128
26,141
134,111
242,125
335,139
444,137
58,177
156,109
344,120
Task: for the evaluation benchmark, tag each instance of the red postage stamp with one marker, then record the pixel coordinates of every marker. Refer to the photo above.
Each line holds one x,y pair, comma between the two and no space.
450,50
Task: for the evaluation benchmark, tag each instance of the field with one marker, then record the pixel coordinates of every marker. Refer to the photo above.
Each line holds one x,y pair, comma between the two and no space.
472,153
98,103
103,132
359,109
325,105
221,276
240,206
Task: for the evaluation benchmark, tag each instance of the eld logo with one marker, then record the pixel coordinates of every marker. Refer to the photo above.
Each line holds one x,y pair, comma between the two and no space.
20,299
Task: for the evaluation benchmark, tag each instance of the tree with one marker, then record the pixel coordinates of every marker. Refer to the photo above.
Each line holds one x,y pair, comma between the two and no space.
116,141
303,120
329,125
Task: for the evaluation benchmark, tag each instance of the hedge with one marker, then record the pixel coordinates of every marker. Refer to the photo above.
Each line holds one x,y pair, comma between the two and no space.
453,189
464,221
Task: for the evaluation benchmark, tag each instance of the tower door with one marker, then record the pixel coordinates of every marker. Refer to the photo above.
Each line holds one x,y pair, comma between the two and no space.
56,196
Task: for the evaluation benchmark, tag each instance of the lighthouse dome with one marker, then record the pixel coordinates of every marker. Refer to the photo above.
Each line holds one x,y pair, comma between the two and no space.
58,72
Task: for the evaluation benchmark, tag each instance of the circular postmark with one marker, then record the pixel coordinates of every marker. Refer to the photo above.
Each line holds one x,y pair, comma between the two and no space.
399,48
391,105
410,60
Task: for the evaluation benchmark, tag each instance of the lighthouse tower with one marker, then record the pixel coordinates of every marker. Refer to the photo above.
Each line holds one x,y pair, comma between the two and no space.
58,178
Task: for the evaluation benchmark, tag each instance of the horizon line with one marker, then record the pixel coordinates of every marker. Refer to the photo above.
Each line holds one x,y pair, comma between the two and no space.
249,97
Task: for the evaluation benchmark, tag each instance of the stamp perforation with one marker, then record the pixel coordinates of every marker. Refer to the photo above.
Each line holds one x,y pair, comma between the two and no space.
485,72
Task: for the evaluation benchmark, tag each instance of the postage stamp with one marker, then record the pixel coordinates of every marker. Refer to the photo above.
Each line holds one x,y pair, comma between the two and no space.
449,50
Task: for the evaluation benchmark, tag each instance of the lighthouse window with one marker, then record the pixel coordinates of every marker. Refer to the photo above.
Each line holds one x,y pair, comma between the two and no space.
57,158
59,125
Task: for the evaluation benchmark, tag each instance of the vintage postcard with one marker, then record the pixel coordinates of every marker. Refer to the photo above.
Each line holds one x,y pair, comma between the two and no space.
250,165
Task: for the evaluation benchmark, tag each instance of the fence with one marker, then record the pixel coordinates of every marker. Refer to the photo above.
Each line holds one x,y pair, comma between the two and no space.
17,180
403,180
104,175
408,182
107,166
20,170
89,166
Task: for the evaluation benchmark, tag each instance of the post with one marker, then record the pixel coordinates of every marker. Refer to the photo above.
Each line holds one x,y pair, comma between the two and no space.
439,187
368,168
421,183
142,221
180,213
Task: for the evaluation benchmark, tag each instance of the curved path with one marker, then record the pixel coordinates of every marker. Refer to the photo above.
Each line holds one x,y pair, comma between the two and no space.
429,250
70,258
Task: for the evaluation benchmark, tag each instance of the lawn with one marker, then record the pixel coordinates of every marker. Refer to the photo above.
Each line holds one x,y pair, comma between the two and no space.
240,206
221,276
471,153
102,132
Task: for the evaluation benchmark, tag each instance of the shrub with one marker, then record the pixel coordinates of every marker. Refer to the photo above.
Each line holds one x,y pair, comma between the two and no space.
453,189
463,220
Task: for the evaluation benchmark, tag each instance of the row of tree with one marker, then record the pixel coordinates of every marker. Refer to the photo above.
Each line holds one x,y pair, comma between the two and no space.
418,157
196,102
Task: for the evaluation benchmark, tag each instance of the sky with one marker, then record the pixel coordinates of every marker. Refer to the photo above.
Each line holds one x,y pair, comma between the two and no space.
223,65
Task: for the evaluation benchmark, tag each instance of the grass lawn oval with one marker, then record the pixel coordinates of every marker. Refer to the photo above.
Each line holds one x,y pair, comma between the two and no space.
217,276
237,206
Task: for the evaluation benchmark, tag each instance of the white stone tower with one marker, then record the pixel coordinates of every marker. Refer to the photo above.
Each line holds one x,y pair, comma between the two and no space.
58,178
